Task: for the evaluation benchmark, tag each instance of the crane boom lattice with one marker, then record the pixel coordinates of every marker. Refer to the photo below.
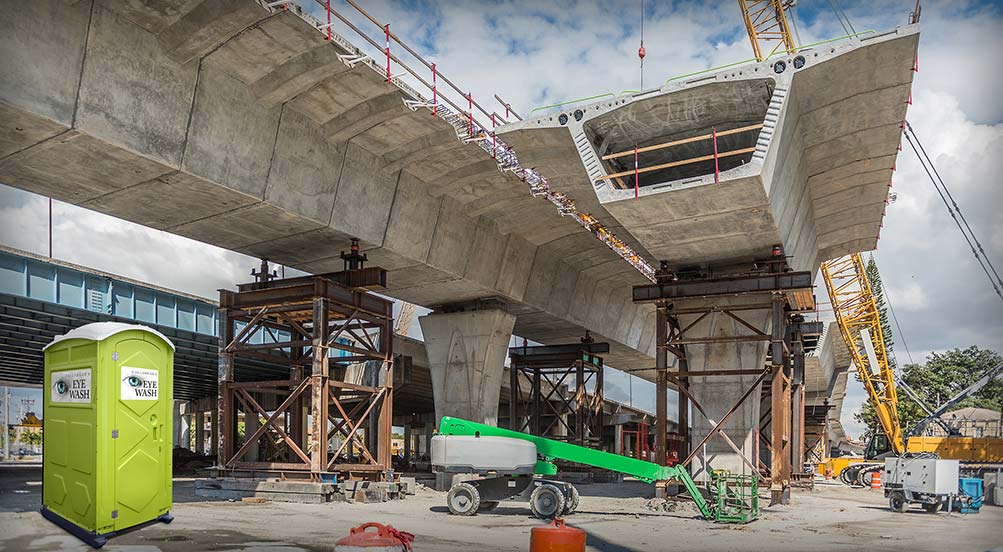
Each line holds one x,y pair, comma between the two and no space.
766,23
404,318
860,325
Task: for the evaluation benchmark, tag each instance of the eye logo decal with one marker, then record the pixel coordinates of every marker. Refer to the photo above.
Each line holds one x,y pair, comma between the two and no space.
71,386
139,384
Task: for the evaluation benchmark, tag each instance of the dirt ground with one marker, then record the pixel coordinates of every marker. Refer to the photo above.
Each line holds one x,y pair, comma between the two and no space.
617,518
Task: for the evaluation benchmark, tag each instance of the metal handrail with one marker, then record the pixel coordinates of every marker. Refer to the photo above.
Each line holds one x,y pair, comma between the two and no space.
416,55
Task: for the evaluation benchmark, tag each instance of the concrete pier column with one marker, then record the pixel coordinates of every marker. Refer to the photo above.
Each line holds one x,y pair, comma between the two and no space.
466,357
719,392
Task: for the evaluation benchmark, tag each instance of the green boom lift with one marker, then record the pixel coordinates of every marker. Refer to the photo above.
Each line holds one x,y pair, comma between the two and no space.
516,465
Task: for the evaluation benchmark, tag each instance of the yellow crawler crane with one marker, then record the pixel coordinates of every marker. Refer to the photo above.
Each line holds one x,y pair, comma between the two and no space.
860,326
404,318
766,22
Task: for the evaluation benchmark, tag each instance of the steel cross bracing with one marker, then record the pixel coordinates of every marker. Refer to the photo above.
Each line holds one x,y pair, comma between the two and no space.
860,325
468,127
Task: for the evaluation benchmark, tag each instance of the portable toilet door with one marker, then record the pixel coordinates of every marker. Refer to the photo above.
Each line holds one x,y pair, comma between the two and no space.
108,416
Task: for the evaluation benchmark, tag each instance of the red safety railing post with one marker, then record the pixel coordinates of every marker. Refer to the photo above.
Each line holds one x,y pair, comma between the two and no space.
328,6
470,114
637,175
717,169
435,95
386,29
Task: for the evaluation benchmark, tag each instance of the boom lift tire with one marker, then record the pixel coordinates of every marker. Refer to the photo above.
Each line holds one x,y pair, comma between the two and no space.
571,500
896,501
546,502
463,499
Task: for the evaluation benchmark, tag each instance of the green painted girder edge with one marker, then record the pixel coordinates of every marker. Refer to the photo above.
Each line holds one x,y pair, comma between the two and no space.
558,450
712,69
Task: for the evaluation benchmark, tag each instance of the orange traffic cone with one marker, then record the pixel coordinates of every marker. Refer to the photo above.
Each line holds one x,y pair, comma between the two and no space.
876,480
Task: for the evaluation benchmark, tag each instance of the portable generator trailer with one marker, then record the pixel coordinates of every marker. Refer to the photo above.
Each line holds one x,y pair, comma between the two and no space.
514,466
931,482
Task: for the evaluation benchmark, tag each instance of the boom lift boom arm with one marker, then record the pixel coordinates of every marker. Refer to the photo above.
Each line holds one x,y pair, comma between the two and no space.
551,450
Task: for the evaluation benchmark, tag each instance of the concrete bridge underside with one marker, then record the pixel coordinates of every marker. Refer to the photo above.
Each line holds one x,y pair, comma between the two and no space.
239,126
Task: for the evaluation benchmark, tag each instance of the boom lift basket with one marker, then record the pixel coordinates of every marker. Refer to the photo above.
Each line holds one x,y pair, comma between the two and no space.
737,497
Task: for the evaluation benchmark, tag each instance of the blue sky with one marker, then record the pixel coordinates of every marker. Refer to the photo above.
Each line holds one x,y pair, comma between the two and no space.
534,53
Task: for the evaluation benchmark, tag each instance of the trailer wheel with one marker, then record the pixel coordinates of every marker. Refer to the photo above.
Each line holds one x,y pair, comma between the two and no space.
932,508
571,501
547,501
897,502
463,499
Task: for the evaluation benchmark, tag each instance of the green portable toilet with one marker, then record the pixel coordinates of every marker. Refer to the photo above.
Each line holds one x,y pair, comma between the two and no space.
107,424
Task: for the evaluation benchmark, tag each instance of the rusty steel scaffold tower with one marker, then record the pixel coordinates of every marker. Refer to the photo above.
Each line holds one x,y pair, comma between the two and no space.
575,413
333,413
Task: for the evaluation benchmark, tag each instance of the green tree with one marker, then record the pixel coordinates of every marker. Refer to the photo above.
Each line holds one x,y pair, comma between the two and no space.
943,376
878,291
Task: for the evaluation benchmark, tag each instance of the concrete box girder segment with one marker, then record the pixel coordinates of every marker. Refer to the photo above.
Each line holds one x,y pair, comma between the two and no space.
238,125
815,179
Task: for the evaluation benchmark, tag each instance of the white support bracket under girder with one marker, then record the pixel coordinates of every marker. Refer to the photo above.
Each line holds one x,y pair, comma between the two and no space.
352,59
415,105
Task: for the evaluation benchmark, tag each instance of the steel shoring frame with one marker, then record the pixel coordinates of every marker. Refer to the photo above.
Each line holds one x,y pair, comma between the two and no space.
552,366
789,293
321,316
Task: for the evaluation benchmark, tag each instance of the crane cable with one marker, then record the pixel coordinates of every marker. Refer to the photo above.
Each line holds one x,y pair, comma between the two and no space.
953,202
640,51
840,19
955,212
850,25
794,22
